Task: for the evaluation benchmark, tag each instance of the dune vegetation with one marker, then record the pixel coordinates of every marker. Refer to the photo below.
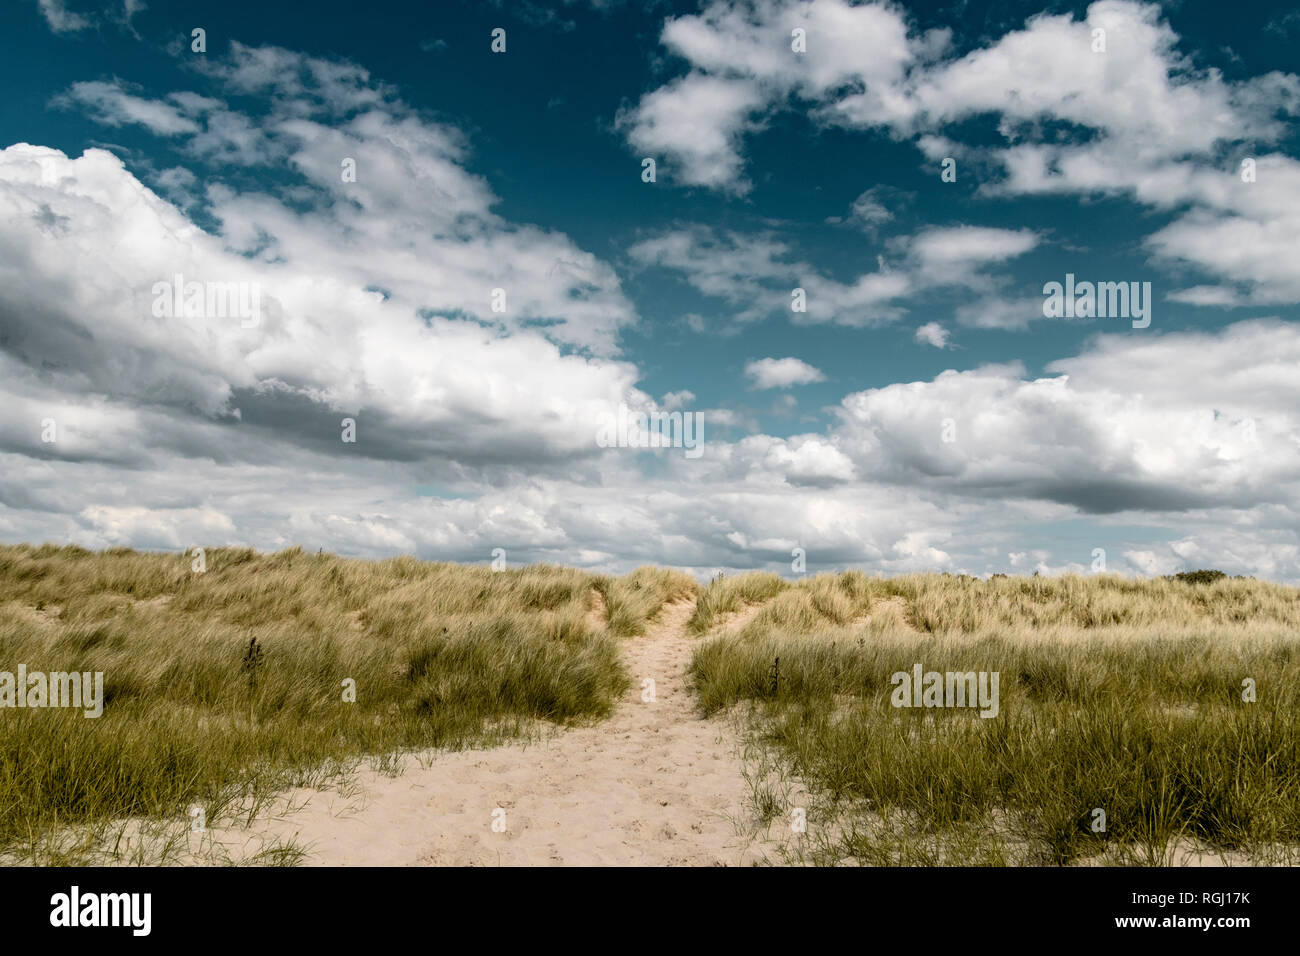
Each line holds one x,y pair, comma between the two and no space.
224,687
1137,721
1140,721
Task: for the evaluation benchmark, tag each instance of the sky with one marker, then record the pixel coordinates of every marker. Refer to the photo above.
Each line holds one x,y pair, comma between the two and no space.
382,279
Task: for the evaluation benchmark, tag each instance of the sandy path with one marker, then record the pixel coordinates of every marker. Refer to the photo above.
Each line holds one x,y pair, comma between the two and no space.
655,784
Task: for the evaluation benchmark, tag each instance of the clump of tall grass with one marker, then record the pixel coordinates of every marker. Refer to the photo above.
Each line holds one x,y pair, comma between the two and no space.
633,600
1120,696
274,670
724,595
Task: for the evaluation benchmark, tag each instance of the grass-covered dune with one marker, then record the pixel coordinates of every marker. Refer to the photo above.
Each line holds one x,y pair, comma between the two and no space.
232,684
1120,696
1170,706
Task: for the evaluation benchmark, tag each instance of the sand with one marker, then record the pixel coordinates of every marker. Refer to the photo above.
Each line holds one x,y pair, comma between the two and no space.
655,784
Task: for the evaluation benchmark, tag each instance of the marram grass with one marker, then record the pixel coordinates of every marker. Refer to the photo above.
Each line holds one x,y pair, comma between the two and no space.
225,688
228,686
1118,696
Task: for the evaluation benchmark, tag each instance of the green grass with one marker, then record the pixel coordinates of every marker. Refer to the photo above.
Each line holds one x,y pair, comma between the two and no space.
224,689
1141,716
227,687
632,600
727,595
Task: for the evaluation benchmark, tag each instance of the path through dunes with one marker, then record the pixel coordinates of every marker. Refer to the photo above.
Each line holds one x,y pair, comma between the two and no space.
654,784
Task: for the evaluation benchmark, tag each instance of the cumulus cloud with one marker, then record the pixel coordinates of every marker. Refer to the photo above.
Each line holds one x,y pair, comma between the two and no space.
677,400
866,68
376,297
476,428
697,122
742,63
426,223
1151,124
1082,437
932,333
781,373
954,250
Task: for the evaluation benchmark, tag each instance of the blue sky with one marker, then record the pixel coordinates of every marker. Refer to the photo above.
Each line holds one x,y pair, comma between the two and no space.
131,157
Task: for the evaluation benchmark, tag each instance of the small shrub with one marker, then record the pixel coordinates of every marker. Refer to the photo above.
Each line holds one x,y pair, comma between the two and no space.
1202,576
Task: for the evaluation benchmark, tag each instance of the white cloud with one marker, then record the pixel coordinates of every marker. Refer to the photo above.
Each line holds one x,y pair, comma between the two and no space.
757,273
696,122
170,528
932,333
1245,234
1000,311
425,222
729,266
750,272
85,245
476,429
801,460
110,104
1210,427
60,19
1141,89
914,552
871,209
781,373
961,255
960,247
1158,124
743,61
1149,563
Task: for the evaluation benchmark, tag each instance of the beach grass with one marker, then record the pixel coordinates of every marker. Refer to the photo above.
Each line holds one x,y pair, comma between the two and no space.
274,670
1138,721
